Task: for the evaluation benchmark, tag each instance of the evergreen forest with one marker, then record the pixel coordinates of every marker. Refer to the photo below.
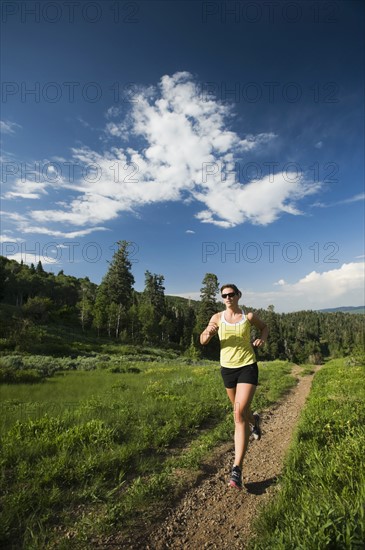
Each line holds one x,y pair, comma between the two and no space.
40,312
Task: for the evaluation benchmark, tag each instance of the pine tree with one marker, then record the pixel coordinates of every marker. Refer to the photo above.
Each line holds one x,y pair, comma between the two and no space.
117,285
154,292
119,279
39,269
208,303
2,278
208,306
153,308
274,346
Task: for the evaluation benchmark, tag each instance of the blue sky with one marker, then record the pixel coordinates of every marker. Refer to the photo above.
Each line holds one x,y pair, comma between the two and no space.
221,137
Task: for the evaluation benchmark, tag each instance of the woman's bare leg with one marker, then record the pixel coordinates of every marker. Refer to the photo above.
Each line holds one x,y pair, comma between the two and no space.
241,398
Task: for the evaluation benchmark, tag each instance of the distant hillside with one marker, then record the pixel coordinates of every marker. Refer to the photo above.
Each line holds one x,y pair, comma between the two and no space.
188,302
184,302
345,309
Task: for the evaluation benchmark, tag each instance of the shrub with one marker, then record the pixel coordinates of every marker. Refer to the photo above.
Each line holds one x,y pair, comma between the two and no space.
11,376
38,309
12,362
117,369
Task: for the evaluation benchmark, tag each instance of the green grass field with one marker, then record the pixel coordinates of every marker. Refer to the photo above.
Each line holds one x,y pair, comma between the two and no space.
87,452
321,502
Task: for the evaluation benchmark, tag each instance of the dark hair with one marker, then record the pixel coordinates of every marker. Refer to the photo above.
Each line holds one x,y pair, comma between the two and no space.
237,290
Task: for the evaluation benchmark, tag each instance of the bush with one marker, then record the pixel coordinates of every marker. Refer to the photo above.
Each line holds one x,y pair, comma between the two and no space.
12,362
315,358
11,376
38,309
5,344
356,359
117,369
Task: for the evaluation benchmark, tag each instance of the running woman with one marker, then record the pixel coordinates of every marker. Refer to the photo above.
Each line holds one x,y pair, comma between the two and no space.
238,368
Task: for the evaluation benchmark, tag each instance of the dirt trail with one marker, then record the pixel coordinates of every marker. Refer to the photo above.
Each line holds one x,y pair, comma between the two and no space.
212,515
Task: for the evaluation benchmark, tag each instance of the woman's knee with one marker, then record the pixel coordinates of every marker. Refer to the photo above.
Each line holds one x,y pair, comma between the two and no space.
241,414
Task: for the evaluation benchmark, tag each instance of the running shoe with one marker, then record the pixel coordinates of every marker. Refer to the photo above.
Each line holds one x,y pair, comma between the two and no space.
256,430
236,478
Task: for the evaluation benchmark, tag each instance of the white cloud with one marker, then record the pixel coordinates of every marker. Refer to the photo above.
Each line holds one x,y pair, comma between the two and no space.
33,258
319,145
25,189
7,127
334,283
259,202
356,198
6,238
24,225
281,282
190,232
113,112
42,230
182,134
84,123
343,286
114,129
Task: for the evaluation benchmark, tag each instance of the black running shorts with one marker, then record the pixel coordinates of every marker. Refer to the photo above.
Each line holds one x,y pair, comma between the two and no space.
242,375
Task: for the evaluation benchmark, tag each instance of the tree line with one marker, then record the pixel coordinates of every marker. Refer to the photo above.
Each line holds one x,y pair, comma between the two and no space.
115,310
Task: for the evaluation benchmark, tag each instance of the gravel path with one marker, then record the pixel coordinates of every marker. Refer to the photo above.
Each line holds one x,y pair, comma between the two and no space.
213,515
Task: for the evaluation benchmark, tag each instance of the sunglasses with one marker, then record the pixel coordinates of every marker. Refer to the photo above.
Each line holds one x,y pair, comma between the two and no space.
229,295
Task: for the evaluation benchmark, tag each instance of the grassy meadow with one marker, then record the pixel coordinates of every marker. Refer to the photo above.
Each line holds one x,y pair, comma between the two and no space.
321,501
94,443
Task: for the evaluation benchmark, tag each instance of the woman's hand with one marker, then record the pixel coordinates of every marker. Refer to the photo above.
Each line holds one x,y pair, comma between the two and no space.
209,332
258,342
211,329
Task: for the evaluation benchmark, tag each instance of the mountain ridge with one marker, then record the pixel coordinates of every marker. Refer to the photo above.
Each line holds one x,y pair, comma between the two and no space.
344,309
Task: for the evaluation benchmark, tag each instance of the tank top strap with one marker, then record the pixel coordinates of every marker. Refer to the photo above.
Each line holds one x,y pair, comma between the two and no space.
224,320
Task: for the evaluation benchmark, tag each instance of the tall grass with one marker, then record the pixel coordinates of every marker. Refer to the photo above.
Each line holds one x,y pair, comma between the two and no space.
322,491
96,466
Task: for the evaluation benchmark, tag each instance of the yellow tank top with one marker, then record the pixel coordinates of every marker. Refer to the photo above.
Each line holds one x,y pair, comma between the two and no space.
236,349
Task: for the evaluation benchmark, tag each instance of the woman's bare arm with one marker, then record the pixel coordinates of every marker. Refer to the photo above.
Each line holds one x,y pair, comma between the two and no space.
210,330
263,328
